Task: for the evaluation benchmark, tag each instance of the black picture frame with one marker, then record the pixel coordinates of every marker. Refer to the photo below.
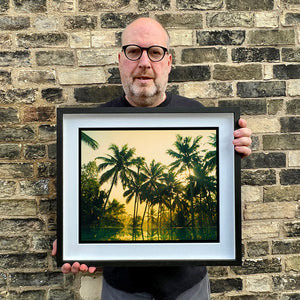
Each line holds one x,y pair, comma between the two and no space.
211,234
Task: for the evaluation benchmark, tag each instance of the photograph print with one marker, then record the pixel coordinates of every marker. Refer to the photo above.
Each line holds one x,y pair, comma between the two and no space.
148,185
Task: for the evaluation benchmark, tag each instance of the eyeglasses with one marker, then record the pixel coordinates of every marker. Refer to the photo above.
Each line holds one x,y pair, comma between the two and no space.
134,52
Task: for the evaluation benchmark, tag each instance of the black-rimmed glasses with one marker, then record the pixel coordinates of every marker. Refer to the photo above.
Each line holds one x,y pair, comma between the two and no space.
134,52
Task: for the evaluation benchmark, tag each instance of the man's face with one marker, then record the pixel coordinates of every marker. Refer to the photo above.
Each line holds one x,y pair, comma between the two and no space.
144,81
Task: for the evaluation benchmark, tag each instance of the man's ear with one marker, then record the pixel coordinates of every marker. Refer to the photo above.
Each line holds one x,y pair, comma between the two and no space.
170,62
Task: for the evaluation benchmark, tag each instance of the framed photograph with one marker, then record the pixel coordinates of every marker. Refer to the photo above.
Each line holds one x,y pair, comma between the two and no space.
148,186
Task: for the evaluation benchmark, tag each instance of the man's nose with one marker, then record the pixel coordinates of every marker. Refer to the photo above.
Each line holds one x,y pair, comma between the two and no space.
144,60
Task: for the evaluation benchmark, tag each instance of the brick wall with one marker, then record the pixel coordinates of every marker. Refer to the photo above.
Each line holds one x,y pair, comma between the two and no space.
64,52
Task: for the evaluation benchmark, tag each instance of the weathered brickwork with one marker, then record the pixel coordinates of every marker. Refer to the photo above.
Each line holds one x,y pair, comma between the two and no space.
225,53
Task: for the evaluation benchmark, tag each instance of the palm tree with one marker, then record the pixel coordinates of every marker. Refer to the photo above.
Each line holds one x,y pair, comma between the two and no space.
119,164
89,141
153,175
210,157
186,155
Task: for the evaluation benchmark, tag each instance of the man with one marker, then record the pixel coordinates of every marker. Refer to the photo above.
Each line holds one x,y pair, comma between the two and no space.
145,63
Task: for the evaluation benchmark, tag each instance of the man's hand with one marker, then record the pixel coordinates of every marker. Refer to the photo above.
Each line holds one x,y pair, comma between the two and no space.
76,267
242,139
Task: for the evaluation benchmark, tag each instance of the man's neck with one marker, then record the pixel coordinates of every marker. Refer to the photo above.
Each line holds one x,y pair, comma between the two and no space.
146,101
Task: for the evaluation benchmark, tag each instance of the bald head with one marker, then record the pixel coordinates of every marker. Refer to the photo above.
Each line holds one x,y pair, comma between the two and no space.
147,27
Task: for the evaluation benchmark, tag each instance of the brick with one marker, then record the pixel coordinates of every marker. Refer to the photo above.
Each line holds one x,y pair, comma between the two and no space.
275,210
34,188
199,5
258,177
18,207
37,77
154,5
48,206
290,3
20,244
42,242
80,39
52,151
281,142
292,229
14,23
274,106
203,55
290,176
286,247
209,90
5,41
30,6
16,170
10,151
255,55
264,160
53,95
286,282
226,285
255,249
9,261
183,20
43,23
97,94
256,266
217,271
293,88
286,71
224,37
47,169
18,133
290,124
103,39
98,5
97,57
5,77
36,151
4,6
191,73
81,76
180,37
41,40
14,96
230,19
62,295
37,279
263,124
247,106
26,295
271,37
294,159
20,226
267,19
292,264
88,284
261,89
114,76
60,58
47,132
9,115
15,59
292,19
119,20
7,188
290,54
80,22
249,5
251,194
256,296
63,5
293,107
39,114
245,72
281,193
258,284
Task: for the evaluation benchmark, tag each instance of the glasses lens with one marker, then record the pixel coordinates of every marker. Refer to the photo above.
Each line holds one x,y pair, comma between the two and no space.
133,52
156,53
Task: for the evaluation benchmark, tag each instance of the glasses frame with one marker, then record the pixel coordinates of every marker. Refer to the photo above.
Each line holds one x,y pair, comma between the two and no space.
142,50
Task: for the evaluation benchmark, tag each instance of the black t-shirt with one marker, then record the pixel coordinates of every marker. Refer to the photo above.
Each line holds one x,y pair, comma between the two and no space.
164,283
